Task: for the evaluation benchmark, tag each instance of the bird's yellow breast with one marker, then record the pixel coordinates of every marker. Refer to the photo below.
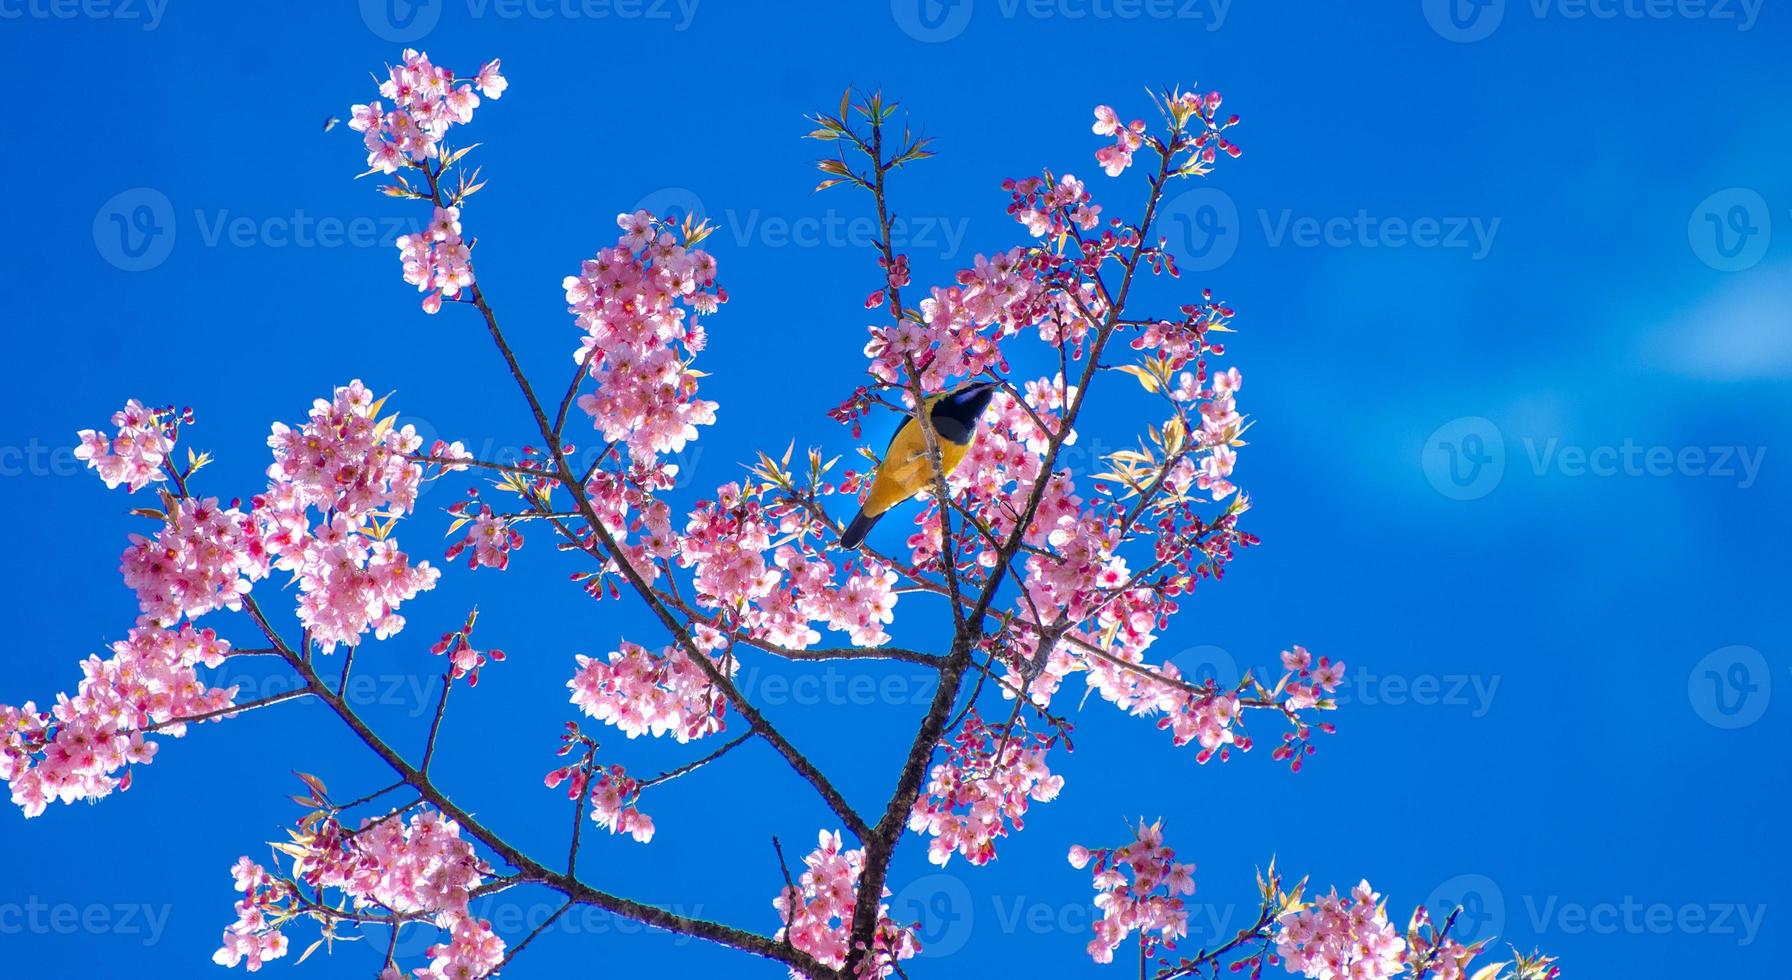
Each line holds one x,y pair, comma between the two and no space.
906,469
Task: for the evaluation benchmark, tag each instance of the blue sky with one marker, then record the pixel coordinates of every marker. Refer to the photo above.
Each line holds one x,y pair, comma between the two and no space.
1513,287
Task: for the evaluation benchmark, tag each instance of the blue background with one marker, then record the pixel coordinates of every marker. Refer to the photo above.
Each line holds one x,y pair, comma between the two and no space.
1601,765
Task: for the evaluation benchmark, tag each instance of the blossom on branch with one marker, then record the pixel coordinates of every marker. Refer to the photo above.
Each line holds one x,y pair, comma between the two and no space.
817,912
135,454
76,750
1138,888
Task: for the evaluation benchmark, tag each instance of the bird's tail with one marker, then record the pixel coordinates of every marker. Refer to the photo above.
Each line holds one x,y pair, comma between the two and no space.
856,531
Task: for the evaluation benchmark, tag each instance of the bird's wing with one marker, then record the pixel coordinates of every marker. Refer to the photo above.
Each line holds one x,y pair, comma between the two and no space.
902,472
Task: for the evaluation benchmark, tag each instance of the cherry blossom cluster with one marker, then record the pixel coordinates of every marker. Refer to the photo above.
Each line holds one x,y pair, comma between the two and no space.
896,276
76,750
642,692
202,559
1138,887
727,542
613,804
1310,683
1183,108
345,462
355,468
634,301
346,459
205,557
437,259
253,939
817,912
1049,209
489,540
1342,938
1433,953
962,324
473,950
615,798
1127,139
984,783
420,865
426,102
1220,432
413,870
134,455
463,660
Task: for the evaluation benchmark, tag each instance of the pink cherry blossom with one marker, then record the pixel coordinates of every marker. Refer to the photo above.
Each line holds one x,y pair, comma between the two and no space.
1138,888
204,558
817,913
415,869
1342,938
82,747
463,660
135,454
642,693
984,784
356,469
637,303
491,84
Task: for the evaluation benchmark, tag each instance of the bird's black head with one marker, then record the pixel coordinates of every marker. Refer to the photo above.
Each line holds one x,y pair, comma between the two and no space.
955,415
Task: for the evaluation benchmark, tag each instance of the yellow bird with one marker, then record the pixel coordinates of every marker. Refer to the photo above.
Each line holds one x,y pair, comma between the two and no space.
906,469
